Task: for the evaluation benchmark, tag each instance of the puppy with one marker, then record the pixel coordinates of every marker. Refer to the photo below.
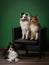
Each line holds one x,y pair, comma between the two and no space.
10,53
24,23
34,27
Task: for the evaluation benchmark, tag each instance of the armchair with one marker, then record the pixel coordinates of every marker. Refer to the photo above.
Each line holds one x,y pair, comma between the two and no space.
29,45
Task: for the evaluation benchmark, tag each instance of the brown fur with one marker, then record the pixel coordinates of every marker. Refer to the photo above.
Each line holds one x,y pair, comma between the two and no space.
34,20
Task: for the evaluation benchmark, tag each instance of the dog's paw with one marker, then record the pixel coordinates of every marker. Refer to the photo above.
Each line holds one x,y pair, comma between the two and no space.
22,38
26,38
9,60
16,60
36,38
31,38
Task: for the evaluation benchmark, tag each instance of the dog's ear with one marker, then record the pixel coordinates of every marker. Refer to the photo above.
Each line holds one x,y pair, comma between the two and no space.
31,17
37,16
21,15
10,43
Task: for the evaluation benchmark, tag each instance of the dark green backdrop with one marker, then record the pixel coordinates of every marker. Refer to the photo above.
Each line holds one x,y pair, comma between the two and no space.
10,14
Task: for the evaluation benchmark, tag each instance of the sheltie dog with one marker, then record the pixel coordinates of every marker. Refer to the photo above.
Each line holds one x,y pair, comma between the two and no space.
34,27
10,53
24,23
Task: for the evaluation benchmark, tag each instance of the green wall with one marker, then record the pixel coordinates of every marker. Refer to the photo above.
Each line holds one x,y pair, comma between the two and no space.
10,15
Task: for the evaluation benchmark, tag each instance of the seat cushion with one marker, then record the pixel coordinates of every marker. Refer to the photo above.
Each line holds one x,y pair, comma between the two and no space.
26,42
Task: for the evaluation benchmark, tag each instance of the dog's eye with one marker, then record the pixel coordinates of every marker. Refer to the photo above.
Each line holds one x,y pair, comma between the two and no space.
31,20
10,49
26,14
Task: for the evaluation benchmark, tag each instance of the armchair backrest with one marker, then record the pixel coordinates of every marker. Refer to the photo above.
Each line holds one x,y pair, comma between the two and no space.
16,33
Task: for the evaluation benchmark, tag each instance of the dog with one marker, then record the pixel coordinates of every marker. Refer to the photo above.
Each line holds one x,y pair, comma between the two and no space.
24,23
34,27
10,53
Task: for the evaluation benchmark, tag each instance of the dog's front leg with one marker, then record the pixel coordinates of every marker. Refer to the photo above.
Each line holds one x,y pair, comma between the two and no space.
23,34
10,60
32,37
16,59
36,36
27,34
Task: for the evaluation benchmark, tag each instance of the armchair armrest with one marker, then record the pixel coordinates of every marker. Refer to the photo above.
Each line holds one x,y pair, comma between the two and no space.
42,38
16,33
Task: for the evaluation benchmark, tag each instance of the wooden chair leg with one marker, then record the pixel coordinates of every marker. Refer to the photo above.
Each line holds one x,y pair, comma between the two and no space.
26,52
40,55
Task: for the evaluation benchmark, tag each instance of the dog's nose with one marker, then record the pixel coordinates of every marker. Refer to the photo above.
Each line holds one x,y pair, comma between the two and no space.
25,17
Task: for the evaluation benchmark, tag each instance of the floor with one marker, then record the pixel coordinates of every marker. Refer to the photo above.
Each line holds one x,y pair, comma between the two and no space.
24,60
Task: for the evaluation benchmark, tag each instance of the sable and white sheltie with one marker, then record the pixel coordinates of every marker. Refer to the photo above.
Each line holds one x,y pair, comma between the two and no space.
34,27
10,53
24,23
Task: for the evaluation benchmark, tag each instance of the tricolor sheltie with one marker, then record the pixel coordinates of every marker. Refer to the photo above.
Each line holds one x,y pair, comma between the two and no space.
24,23
10,53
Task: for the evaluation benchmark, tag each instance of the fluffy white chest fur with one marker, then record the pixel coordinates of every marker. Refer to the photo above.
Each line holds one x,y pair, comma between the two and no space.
34,28
12,56
24,25
25,29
